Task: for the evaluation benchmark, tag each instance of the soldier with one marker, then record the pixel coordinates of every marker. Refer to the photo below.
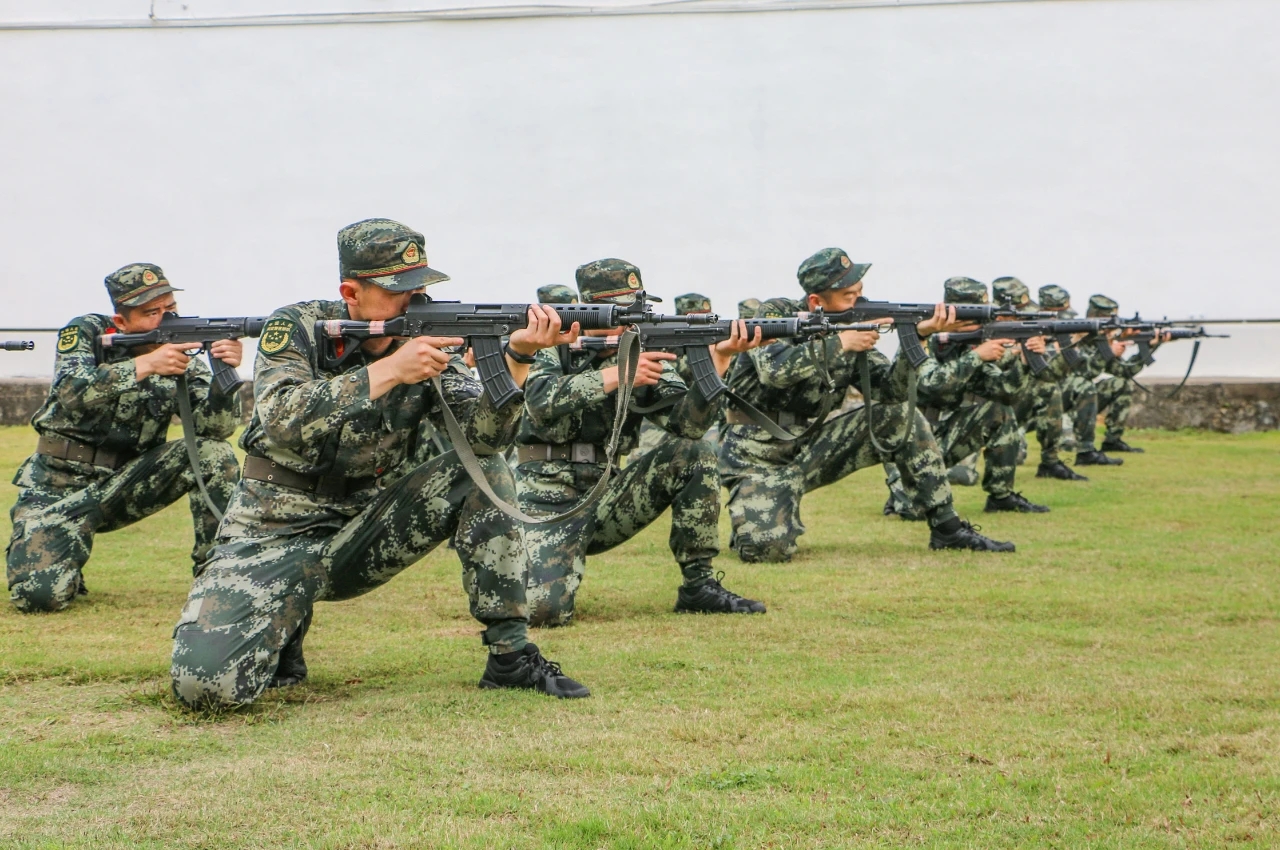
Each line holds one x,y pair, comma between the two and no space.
101,462
1113,394
330,505
557,293
973,390
692,302
570,415
796,384
748,307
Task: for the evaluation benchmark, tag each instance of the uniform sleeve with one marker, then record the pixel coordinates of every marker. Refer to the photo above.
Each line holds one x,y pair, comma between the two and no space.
79,383
940,379
216,414
1127,368
690,416
782,364
1005,380
298,407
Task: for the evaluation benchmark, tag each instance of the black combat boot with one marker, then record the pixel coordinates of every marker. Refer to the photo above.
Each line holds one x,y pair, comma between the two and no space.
1059,470
292,669
526,668
1119,445
966,536
1014,502
712,597
1097,459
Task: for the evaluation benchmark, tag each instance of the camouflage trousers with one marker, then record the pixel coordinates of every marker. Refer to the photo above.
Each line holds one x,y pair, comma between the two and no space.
62,505
767,478
651,435
675,472
1040,408
258,589
1113,395
988,427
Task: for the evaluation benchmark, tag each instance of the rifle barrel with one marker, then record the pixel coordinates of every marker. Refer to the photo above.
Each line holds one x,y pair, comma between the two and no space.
1225,322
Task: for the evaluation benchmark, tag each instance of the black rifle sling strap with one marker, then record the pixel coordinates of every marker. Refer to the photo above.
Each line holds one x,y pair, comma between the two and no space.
1195,350
865,368
189,439
628,361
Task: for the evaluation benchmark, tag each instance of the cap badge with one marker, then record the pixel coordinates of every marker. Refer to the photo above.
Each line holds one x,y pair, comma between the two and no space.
148,277
410,254
633,282
845,261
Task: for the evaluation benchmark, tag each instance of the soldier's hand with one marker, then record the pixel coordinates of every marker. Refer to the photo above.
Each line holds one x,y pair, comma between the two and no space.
229,351
858,340
1117,347
991,350
170,359
543,331
943,320
648,371
418,360
1037,344
723,352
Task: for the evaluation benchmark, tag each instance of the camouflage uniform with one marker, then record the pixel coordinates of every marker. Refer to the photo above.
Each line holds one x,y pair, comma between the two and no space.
974,402
768,477
566,404
692,302
369,512
748,307
97,401
1112,394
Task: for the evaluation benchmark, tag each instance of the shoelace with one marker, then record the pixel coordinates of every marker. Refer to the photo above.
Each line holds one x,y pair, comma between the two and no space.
548,668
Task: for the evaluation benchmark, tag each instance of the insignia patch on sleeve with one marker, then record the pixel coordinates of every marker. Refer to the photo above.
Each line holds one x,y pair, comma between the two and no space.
68,338
276,336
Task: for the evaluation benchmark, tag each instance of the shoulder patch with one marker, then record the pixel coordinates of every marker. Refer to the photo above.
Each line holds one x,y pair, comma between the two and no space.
276,335
68,338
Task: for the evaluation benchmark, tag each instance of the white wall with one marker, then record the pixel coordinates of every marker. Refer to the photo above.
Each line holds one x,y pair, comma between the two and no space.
1127,147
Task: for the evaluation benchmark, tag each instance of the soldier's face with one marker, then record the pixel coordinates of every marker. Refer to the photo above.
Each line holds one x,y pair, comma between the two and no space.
836,300
368,302
145,317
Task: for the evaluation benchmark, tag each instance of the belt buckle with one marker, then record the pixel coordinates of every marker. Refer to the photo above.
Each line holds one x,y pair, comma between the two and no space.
584,453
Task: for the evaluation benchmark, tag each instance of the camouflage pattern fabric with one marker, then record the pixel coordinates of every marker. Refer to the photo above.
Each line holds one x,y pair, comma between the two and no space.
387,253
609,281
692,302
280,550
748,307
96,398
136,284
557,293
987,427
565,403
1039,408
767,478
63,504
829,269
1084,396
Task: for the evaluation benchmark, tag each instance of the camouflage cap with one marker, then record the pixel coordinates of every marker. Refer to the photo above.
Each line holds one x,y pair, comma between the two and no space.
557,293
692,302
748,307
609,280
830,268
387,253
137,283
964,290
1010,292
1100,306
1054,297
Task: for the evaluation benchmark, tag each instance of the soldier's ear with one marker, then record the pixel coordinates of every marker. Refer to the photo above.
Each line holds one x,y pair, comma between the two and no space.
349,290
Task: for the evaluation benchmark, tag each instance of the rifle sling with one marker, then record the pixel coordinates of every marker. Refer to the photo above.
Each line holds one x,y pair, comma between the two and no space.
189,440
628,361
1195,350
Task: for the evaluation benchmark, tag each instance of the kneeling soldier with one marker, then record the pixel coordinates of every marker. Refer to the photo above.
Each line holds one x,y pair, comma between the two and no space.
330,506
973,391
570,415
795,384
102,461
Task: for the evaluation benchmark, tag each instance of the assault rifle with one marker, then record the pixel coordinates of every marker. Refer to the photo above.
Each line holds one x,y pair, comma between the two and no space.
1021,332
17,345
906,316
197,333
693,341
483,326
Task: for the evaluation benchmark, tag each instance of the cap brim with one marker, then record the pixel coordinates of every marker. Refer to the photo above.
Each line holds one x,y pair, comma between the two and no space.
407,281
856,272
148,296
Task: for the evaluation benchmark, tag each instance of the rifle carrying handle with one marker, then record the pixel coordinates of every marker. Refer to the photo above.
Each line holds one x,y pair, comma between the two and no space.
909,342
225,377
705,376
1034,360
493,370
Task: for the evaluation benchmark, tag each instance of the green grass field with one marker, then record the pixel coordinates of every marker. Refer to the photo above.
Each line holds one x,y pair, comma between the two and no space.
1114,684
